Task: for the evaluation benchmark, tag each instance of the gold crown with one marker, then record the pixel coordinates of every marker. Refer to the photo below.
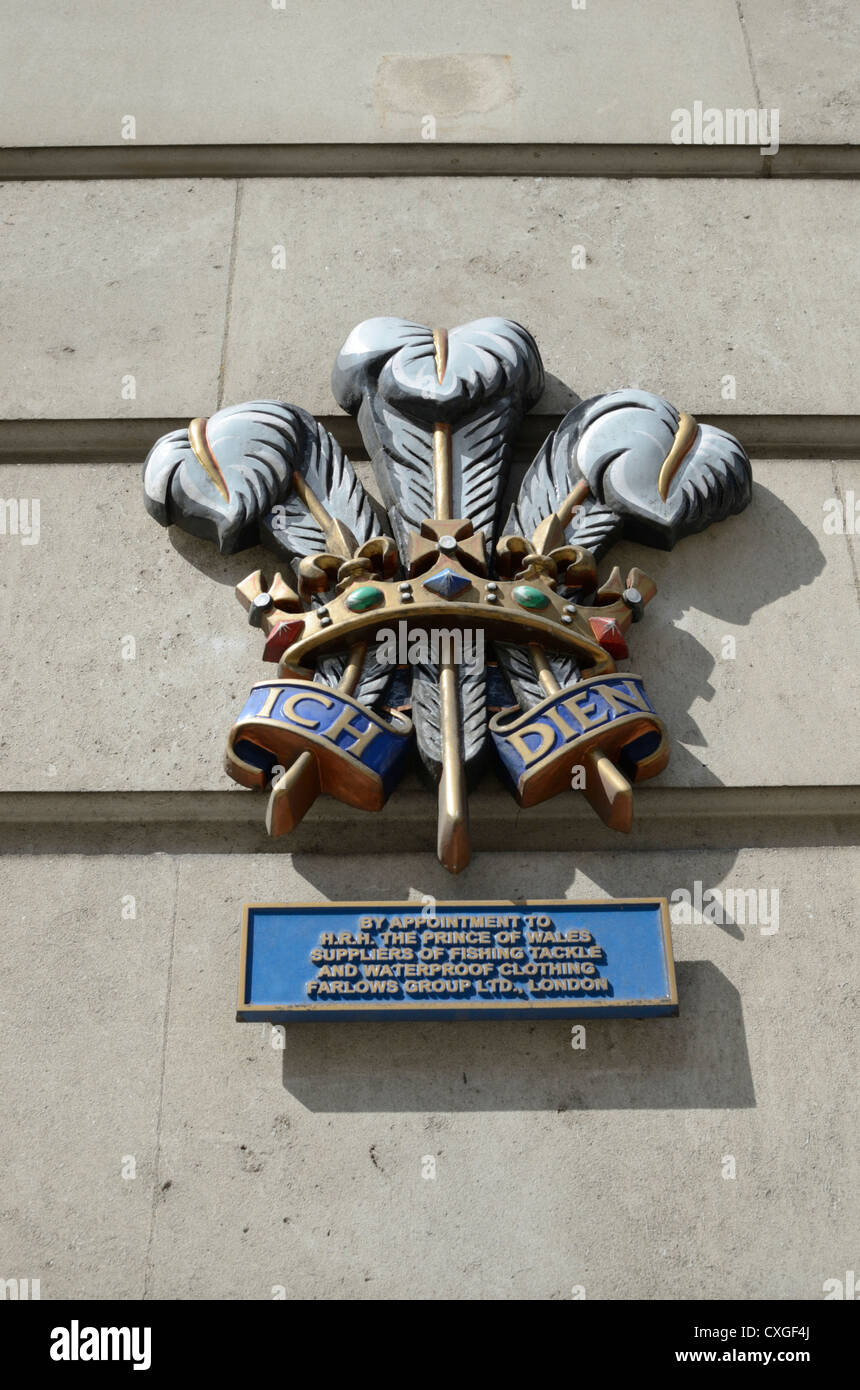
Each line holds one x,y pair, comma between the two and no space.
447,585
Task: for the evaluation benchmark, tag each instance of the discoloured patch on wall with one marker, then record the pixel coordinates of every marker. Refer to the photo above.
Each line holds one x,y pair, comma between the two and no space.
464,92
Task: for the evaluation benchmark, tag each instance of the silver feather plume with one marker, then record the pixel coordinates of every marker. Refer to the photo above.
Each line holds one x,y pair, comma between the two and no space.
389,374
618,444
255,474
652,474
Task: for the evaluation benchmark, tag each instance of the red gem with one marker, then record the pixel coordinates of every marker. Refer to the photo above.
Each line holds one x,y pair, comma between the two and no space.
609,635
283,636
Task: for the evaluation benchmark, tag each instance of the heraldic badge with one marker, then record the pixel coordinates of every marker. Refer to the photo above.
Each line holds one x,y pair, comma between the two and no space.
436,625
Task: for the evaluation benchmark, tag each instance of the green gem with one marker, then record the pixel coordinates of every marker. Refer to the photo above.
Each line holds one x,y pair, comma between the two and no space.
367,596
528,597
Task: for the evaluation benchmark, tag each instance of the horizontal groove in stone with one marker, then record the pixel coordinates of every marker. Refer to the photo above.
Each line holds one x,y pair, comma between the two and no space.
393,160
232,822
116,440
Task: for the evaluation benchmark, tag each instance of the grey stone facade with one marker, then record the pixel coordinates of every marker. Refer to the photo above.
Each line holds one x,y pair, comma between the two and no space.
551,192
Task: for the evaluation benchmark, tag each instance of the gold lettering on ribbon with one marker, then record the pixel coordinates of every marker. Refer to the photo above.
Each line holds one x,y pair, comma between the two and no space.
290,711
343,725
269,704
531,755
584,710
623,701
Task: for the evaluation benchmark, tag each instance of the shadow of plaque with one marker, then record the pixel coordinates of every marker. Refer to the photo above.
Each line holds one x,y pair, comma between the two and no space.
698,1061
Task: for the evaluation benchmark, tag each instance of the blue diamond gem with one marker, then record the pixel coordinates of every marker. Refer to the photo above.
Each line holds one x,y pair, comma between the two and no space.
447,583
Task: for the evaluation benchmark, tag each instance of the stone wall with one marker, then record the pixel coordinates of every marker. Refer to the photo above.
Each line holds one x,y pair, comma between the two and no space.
274,188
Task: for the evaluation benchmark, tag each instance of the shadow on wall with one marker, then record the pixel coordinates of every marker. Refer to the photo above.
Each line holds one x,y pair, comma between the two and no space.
730,572
622,874
698,1061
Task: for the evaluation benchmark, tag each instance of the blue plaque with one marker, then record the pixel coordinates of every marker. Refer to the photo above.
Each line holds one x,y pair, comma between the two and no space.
355,960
